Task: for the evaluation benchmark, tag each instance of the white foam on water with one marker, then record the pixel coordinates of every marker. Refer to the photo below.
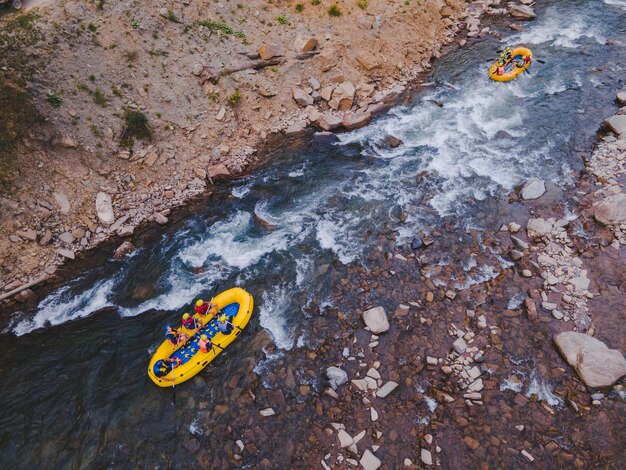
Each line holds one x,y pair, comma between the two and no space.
195,429
431,403
330,236
228,240
63,306
618,3
296,173
512,385
558,28
538,386
516,301
273,313
241,191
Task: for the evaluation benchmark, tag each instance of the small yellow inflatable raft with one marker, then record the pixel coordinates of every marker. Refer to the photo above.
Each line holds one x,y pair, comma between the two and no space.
511,67
237,305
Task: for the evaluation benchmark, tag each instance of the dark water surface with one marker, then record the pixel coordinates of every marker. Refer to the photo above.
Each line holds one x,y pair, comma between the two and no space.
74,386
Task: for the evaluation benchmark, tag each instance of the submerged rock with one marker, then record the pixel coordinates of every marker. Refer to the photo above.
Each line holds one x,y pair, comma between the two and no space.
376,320
533,189
336,376
595,363
123,250
392,141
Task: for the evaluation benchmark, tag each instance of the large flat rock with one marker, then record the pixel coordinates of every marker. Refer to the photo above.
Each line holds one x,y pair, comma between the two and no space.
595,363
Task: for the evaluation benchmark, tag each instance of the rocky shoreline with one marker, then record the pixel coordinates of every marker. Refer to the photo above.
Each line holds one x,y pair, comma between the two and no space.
61,221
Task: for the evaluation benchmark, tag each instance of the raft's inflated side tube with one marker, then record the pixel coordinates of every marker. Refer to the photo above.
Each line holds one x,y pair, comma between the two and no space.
510,69
237,305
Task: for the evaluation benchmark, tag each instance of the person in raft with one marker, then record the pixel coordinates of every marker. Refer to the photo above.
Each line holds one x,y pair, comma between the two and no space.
164,366
507,52
205,344
224,325
206,309
191,323
500,69
174,337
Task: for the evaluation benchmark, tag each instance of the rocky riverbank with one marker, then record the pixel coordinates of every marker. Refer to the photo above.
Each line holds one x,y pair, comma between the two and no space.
131,128
414,367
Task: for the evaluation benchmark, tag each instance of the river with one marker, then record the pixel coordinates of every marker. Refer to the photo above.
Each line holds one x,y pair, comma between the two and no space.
75,388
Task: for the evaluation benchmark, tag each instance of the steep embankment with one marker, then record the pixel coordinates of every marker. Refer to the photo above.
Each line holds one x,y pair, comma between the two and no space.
146,104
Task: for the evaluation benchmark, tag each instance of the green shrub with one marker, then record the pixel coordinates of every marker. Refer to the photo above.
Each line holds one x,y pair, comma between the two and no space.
100,98
362,4
136,127
172,17
334,10
54,99
235,98
316,2
299,7
282,19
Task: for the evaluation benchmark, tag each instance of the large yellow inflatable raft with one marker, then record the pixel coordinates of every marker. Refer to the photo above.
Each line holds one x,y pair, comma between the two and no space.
237,305
511,68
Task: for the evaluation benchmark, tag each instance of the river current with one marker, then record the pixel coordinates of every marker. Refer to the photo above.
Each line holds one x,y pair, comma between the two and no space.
74,383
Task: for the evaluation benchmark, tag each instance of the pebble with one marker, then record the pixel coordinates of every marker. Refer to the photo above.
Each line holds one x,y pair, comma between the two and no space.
267,412
344,438
426,456
387,389
459,345
529,457
527,273
369,461
373,414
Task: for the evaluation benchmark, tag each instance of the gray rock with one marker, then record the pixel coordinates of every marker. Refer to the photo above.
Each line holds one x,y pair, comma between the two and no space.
621,97
268,51
426,456
459,345
63,202
336,376
66,253
314,83
538,228
302,97
617,124
125,231
521,244
522,12
533,189
595,363
104,209
611,210
67,237
376,320
197,69
304,44
159,218
28,234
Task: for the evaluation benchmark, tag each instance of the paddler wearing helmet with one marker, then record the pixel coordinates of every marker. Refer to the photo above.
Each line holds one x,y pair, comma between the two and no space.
224,325
205,344
203,308
190,322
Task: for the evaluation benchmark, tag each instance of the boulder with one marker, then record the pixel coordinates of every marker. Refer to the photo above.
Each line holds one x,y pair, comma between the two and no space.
68,142
617,124
325,138
336,376
446,12
328,121
296,128
268,51
392,141
594,362
67,237
621,97
343,96
63,202
314,83
327,92
302,97
611,210
356,120
366,59
123,250
522,12
28,234
125,231
533,189
104,209
327,63
218,169
304,44
538,228
376,320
